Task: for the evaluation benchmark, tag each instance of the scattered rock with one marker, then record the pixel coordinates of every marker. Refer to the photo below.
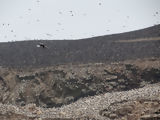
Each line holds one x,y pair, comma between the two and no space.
59,91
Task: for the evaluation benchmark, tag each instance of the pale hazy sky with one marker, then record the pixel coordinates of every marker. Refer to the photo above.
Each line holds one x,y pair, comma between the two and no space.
74,19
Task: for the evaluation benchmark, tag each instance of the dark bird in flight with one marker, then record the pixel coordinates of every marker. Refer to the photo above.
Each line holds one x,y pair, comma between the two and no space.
42,45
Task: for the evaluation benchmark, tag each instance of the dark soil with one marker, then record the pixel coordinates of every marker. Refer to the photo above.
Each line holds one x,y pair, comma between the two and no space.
91,50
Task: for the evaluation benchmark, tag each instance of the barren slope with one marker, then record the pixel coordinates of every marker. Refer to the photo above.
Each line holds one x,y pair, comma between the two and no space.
91,50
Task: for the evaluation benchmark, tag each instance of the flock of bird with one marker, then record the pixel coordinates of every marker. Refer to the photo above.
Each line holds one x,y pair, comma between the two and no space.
47,34
71,13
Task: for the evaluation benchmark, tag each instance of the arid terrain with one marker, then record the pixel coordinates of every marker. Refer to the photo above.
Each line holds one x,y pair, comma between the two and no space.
119,47
114,77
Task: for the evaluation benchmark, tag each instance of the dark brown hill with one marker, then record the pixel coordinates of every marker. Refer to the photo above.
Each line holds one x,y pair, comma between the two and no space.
140,44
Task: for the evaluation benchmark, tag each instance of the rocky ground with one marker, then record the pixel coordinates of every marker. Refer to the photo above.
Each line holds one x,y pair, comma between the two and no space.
126,90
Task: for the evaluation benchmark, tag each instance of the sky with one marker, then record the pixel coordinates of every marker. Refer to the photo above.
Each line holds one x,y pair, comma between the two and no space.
74,19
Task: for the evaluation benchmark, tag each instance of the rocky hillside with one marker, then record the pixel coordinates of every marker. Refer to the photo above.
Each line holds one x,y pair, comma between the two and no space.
91,50
61,85
114,77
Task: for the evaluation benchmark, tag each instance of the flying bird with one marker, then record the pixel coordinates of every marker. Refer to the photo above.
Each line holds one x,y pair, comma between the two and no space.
48,34
42,45
100,3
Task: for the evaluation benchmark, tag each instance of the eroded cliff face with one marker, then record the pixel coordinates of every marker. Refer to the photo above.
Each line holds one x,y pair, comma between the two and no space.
60,85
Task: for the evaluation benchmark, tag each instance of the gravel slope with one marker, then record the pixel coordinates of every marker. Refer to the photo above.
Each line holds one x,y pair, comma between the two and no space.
87,107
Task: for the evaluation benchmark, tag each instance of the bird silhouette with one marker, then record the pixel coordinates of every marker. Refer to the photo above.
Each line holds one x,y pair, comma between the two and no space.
42,45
